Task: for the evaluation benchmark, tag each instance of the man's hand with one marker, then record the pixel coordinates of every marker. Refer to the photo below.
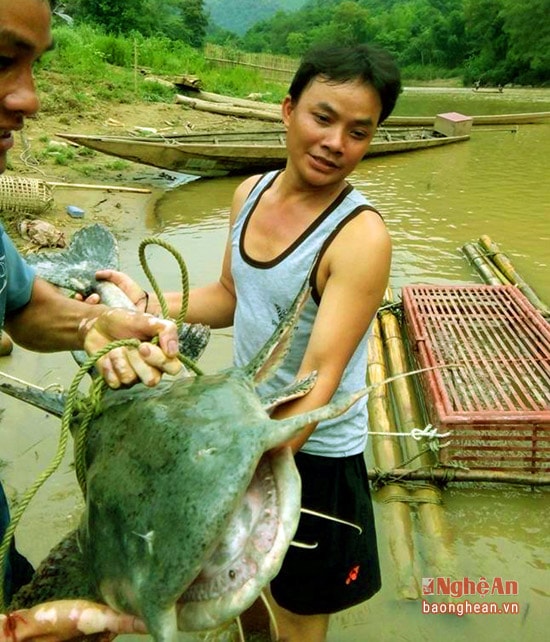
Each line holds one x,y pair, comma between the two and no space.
125,366
65,620
131,289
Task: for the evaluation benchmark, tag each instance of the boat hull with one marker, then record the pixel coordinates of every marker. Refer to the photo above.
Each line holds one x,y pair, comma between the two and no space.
530,118
213,155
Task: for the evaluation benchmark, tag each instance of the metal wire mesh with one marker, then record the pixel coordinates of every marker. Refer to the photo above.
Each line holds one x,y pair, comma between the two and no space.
495,397
21,195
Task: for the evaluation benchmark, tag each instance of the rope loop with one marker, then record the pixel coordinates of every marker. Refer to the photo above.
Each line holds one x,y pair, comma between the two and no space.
154,284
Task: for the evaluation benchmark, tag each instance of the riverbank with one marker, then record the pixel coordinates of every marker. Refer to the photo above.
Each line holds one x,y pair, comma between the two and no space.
39,154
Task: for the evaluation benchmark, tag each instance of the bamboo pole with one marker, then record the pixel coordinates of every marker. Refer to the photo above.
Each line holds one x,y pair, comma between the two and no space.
387,453
438,546
114,188
501,260
397,509
237,102
486,269
229,110
406,405
386,450
437,540
449,475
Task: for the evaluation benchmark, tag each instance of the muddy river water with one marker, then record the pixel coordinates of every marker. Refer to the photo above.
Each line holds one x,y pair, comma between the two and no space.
433,202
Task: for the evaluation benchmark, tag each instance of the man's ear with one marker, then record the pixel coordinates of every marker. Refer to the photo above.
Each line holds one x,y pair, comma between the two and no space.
286,109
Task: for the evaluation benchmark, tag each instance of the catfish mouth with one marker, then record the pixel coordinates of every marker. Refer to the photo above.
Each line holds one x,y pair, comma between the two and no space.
251,550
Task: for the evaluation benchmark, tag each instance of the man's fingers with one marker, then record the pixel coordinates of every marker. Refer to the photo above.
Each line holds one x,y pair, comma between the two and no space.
69,619
155,357
132,290
92,299
167,333
96,618
125,366
146,373
116,368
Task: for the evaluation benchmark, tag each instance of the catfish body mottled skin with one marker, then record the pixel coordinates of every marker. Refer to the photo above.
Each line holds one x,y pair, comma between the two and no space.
187,436
174,475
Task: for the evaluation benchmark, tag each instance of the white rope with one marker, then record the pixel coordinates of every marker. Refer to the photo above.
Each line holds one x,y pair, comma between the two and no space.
271,615
315,513
429,432
52,387
240,630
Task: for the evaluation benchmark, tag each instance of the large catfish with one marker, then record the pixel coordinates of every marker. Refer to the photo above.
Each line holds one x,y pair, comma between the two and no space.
191,503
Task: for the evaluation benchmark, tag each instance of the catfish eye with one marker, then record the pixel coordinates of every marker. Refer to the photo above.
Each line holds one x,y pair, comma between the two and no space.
232,574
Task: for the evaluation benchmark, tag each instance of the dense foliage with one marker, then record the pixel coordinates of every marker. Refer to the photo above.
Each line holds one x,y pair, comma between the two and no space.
494,41
183,20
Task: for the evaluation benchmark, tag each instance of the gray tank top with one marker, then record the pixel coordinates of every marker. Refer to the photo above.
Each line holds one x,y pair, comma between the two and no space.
266,290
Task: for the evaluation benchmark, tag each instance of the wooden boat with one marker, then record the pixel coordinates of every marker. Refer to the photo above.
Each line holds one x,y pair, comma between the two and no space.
529,118
225,153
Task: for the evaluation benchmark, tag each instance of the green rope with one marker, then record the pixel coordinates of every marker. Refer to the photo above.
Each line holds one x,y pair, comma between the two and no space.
72,404
187,362
184,278
91,410
20,509
88,409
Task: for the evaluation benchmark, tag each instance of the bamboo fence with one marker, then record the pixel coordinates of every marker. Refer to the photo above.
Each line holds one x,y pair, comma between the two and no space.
270,67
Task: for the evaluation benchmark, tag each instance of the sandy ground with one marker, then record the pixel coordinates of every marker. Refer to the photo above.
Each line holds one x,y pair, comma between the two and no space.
38,154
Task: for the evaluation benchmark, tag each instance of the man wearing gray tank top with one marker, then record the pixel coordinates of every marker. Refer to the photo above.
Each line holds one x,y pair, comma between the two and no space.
307,219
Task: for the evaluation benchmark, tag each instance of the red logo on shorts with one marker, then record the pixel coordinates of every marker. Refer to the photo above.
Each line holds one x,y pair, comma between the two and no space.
352,575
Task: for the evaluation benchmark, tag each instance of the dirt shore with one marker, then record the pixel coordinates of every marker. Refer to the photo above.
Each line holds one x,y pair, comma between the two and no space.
39,154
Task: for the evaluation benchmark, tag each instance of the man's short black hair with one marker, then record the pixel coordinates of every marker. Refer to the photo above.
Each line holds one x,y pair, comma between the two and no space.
367,63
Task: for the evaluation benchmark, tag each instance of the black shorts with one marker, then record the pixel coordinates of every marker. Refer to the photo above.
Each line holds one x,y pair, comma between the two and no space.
343,569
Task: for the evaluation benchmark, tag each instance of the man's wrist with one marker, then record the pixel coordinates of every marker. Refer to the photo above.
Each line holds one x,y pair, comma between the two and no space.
87,322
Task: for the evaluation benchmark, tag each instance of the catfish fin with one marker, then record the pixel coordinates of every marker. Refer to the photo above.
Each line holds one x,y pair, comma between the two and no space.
49,400
269,357
294,390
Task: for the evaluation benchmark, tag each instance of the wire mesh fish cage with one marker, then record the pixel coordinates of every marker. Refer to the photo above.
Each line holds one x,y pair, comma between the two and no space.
494,393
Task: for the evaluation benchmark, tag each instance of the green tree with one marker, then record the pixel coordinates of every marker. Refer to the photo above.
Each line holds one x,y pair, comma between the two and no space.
182,20
527,26
115,16
487,42
495,41
296,44
188,20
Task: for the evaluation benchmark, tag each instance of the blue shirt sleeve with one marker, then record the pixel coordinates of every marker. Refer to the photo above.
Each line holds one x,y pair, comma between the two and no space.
16,278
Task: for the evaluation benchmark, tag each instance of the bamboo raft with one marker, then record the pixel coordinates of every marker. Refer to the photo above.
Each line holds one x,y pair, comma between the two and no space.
409,473
394,410
495,268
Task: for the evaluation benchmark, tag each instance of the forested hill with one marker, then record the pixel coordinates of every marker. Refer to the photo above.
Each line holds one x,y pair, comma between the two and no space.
239,15
491,41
